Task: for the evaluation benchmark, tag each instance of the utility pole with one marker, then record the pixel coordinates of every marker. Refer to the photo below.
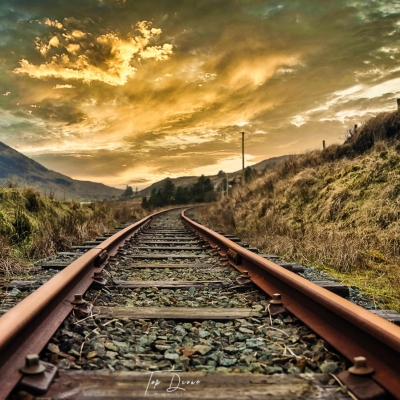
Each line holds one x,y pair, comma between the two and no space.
227,184
243,157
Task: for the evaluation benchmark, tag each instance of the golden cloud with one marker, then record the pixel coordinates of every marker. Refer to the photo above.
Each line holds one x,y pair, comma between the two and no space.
157,52
73,48
54,23
45,47
259,71
58,86
115,66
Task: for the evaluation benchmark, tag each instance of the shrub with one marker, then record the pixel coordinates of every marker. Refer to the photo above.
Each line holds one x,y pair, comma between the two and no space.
22,226
32,199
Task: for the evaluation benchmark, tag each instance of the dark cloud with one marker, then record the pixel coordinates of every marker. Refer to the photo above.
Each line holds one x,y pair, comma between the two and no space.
63,112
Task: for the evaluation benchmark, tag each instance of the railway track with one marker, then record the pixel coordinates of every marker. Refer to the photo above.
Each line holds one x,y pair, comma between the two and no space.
167,307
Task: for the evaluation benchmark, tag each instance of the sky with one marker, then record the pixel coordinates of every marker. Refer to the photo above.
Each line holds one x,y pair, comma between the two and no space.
128,92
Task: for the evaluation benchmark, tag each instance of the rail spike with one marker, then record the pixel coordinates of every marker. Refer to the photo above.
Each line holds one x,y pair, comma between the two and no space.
101,258
233,256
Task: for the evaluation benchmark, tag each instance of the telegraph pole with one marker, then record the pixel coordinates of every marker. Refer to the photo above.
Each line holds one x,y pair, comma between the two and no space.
243,157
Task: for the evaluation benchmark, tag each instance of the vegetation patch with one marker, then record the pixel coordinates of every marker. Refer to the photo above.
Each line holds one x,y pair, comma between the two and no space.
33,226
337,209
168,194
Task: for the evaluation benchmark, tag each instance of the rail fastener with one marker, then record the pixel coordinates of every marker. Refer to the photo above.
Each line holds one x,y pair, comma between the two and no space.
38,375
358,379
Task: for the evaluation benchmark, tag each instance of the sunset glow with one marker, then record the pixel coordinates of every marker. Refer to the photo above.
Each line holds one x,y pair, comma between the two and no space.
130,92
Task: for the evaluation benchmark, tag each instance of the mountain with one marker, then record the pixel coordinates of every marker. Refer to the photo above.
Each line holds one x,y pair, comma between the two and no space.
215,179
19,170
264,165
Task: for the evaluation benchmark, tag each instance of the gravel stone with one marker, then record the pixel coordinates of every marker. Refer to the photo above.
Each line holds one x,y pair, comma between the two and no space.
245,330
110,346
328,367
202,349
111,354
203,334
227,361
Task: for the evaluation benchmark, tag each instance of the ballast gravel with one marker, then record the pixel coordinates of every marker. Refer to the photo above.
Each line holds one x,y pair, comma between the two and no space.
242,345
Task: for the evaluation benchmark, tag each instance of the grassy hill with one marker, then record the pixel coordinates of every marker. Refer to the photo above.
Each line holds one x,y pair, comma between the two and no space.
186,181
19,170
337,208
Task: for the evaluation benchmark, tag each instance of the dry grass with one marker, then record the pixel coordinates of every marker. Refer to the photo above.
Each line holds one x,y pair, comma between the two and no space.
337,209
34,227
82,223
128,211
11,263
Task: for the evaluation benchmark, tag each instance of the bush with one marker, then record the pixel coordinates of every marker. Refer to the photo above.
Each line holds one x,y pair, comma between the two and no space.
33,202
22,226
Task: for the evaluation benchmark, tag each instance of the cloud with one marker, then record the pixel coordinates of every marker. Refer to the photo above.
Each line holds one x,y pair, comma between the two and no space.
165,97
260,70
73,48
106,58
55,23
67,86
299,120
349,104
45,47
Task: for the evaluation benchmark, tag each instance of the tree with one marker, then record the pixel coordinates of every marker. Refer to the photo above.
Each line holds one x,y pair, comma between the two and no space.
182,195
128,192
221,174
168,191
145,204
249,174
156,199
201,187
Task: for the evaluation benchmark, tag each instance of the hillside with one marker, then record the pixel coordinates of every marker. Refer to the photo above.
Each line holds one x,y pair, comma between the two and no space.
33,226
186,181
337,208
19,170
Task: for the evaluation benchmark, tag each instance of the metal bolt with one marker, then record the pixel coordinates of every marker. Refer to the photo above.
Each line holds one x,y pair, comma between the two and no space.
276,299
245,273
360,367
97,275
78,300
33,366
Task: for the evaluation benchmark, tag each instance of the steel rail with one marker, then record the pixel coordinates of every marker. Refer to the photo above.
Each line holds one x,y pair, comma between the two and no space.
28,326
349,328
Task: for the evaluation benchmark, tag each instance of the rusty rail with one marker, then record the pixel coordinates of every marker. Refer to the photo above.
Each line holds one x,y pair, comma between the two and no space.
28,326
352,330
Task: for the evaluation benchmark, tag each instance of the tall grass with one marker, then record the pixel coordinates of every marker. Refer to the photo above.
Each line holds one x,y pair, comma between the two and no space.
11,264
337,208
33,226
